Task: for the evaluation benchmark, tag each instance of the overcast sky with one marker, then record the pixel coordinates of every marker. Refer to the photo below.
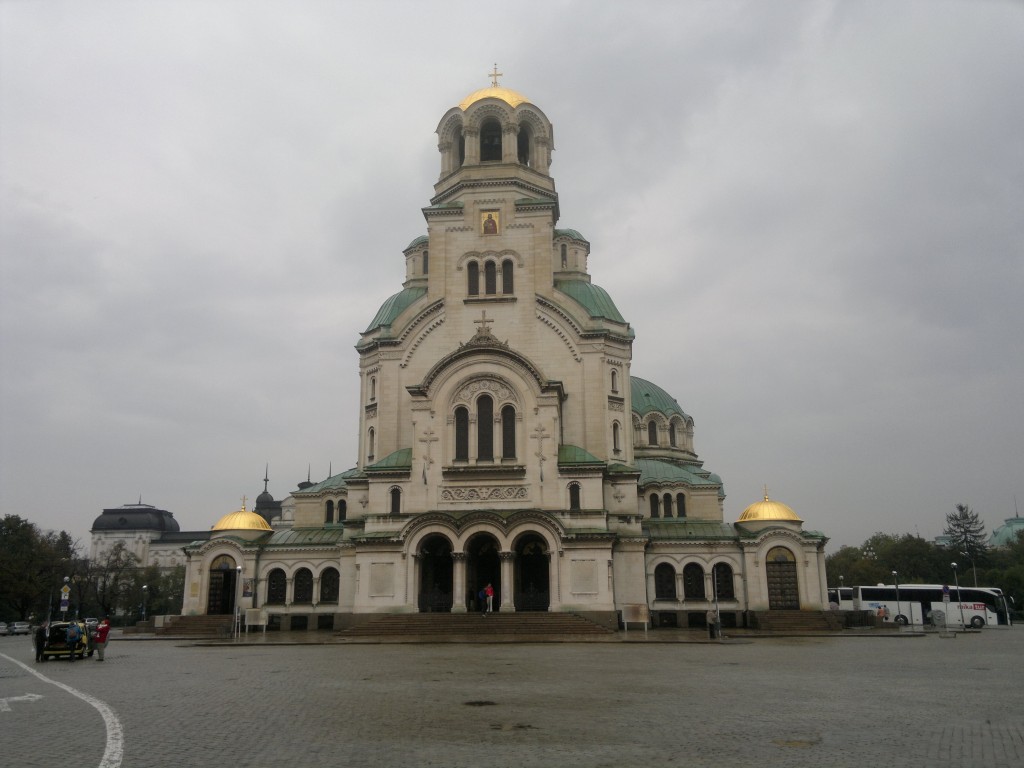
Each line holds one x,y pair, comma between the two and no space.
812,213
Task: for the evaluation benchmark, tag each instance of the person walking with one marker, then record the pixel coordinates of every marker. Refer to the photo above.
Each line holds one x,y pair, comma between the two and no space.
712,619
40,639
489,592
73,636
100,640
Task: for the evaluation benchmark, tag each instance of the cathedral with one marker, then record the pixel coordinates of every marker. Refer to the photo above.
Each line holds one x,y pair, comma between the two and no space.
503,441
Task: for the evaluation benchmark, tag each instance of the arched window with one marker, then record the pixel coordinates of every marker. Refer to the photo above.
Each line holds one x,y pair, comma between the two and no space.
426,262
574,496
667,502
473,279
652,433
680,505
369,444
373,388
665,582
396,501
461,434
616,437
615,380
722,581
523,145
693,582
490,141
303,586
329,511
490,278
342,510
565,256
485,428
508,432
329,583
507,277
277,587
654,505
672,434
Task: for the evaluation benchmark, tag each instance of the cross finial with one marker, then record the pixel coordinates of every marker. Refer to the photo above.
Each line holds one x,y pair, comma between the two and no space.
495,75
766,493
243,503
483,322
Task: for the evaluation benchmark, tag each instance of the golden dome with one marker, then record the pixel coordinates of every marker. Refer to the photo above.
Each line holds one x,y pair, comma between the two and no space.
510,97
242,521
768,510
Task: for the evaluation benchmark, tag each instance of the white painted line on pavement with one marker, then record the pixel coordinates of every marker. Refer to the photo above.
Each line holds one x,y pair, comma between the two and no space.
115,733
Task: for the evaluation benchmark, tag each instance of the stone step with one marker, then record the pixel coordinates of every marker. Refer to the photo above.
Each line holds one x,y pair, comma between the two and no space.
440,624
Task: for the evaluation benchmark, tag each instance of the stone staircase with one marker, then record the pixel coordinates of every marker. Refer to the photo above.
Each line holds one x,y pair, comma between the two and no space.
196,626
474,625
796,621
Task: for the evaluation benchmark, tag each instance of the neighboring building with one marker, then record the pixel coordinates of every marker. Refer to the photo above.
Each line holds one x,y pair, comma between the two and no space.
151,534
504,440
1008,532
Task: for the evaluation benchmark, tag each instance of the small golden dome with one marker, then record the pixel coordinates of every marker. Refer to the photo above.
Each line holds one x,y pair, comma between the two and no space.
768,510
242,521
507,95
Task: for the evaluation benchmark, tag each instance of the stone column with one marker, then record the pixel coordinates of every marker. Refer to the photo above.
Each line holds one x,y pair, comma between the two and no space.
510,144
507,585
459,582
472,145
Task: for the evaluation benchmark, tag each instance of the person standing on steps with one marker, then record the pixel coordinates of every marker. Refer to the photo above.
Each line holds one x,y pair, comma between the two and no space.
489,593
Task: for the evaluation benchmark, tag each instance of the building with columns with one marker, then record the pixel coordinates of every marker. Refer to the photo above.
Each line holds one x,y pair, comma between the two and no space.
504,440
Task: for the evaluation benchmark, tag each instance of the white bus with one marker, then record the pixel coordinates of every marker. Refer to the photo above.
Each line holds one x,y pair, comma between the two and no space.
920,604
842,597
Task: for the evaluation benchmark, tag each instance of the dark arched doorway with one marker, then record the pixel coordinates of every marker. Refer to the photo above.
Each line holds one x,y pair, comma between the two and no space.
220,599
435,562
483,567
531,575
783,591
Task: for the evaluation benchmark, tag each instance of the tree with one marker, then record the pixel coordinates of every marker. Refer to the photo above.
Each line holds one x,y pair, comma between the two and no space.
114,579
966,533
31,566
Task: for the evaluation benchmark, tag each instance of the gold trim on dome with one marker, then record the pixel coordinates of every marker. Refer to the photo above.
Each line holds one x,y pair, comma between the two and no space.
768,510
510,97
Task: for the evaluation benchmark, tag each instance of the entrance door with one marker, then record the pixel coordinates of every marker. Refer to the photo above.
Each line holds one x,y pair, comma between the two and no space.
435,575
483,567
220,599
783,591
532,574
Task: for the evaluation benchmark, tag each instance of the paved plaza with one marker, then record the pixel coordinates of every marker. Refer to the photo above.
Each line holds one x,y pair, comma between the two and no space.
820,701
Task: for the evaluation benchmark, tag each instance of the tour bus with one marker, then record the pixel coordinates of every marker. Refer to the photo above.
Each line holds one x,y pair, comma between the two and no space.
920,604
841,596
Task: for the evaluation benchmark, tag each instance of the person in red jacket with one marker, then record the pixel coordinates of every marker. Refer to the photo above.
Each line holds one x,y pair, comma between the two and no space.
489,593
99,641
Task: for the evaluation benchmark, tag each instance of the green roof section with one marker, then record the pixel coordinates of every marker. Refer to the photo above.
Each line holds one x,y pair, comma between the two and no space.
648,397
400,459
682,529
421,240
656,471
306,537
573,455
394,306
572,234
593,298
332,483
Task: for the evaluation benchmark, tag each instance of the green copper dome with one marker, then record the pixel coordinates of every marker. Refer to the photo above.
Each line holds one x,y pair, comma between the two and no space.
648,397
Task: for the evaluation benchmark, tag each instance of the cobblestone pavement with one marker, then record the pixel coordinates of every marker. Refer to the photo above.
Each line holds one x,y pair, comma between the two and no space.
823,701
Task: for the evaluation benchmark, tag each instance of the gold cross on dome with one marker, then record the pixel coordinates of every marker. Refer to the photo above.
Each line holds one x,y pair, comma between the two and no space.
495,75
243,503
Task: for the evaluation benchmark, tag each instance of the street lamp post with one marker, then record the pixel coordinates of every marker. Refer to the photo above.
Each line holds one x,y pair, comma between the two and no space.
956,580
899,610
145,591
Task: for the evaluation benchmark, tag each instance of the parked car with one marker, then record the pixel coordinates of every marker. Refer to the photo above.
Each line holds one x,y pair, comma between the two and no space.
3,628
20,628
56,645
